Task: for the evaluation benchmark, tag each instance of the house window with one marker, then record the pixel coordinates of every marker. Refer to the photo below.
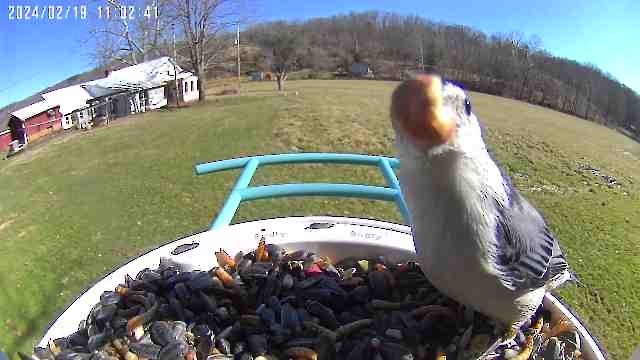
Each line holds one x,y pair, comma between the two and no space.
196,81
185,85
81,114
191,85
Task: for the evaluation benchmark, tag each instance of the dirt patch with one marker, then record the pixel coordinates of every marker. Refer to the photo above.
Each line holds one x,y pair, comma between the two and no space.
13,328
583,167
629,155
35,150
5,224
226,92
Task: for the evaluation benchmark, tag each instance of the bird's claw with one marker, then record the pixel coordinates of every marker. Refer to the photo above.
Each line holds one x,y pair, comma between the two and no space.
490,353
501,341
528,347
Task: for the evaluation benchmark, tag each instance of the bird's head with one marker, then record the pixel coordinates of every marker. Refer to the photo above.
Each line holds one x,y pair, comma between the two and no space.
432,117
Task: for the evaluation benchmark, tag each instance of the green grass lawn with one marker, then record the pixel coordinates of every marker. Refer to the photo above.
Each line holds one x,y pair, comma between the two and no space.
74,208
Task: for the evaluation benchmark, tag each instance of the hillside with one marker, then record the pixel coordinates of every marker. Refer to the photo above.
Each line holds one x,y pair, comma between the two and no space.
509,65
130,186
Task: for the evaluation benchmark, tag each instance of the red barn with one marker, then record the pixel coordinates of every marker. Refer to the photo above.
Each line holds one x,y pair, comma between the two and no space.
34,121
5,139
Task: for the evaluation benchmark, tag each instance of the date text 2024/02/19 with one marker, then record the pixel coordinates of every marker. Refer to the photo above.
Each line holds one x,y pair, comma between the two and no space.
79,12
47,12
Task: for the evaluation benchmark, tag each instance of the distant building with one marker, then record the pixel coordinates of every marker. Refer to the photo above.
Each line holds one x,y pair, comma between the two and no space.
256,76
34,121
73,104
360,70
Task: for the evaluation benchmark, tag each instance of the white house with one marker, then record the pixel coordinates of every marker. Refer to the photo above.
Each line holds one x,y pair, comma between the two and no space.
189,86
152,77
73,104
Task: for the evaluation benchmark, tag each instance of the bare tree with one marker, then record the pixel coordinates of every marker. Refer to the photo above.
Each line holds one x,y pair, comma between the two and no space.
512,65
524,51
130,33
281,44
204,22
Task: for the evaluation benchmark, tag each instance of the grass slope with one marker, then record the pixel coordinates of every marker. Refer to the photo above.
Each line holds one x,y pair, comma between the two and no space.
83,203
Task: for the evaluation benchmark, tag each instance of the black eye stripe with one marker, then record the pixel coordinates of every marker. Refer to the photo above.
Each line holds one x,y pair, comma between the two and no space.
467,107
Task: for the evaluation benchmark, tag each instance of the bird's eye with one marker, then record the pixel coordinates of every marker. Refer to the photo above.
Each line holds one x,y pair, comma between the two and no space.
467,107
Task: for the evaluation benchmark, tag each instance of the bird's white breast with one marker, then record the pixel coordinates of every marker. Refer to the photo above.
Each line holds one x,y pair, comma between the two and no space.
452,223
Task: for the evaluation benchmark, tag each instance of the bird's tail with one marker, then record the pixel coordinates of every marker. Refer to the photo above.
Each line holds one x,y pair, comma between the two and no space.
574,279
560,279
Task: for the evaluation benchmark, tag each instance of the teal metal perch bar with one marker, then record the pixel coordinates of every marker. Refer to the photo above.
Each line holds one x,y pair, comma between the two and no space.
242,192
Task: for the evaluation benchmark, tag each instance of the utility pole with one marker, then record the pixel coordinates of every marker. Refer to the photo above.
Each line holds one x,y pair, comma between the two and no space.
421,56
175,60
238,52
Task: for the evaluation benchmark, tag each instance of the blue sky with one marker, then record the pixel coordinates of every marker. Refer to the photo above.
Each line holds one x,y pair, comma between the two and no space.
38,53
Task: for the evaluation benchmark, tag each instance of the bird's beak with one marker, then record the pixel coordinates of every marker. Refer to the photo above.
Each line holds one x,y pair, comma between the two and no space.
417,110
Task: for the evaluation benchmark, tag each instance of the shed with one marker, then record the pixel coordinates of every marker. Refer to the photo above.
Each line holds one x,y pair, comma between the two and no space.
106,103
34,121
73,104
256,76
189,86
360,70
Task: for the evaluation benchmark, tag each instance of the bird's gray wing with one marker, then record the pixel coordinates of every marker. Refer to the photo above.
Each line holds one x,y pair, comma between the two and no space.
528,255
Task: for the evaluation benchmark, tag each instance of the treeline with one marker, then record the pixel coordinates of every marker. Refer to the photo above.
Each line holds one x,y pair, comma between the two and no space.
502,64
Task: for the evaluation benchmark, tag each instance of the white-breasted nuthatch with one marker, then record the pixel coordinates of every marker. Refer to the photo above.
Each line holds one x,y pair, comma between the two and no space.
477,239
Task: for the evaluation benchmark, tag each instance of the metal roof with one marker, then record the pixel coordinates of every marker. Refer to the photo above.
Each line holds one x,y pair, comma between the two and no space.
96,91
32,110
70,99
147,75
184,75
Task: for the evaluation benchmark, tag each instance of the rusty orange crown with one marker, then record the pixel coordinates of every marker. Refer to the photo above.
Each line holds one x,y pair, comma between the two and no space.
417,109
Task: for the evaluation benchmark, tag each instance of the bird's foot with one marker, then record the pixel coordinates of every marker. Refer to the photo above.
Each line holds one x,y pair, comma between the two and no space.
533,337
527,349
502,340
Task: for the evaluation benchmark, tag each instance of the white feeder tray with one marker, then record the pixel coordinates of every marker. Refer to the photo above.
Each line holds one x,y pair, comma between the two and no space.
336,237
